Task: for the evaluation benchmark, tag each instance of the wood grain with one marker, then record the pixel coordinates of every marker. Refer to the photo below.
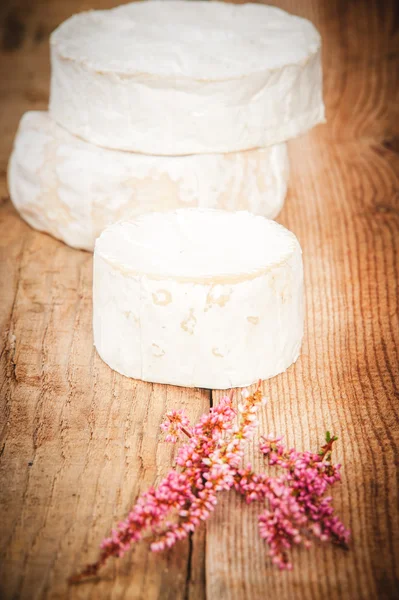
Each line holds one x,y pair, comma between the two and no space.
79,442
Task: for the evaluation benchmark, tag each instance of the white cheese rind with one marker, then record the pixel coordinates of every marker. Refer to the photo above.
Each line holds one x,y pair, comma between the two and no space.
64,186
186,77
173,303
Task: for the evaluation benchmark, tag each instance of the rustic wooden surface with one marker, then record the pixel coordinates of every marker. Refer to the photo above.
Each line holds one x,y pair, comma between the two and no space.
79,442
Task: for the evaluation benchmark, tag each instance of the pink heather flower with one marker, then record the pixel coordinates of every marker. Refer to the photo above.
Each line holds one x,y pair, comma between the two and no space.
294,505
176,424
207,462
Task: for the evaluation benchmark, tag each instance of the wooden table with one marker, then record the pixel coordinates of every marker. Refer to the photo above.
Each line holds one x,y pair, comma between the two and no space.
79,442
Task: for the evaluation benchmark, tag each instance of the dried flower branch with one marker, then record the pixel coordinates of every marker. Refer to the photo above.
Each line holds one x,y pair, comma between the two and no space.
296,506
208,463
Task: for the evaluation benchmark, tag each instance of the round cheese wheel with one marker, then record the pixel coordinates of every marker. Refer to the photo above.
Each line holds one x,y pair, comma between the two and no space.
186,77
198,298
73,190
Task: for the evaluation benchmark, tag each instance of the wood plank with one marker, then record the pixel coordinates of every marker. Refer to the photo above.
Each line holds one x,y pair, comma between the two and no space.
79,442
345,382
343,206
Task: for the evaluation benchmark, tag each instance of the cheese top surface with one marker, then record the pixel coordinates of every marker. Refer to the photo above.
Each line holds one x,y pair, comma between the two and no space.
197,245
198,40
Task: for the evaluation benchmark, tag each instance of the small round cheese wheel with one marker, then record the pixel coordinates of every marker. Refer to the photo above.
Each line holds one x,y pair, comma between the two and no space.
186,77
198,298
73,190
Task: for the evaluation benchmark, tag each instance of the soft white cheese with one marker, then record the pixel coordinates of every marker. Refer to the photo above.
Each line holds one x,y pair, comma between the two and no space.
186,77
198,298
73,190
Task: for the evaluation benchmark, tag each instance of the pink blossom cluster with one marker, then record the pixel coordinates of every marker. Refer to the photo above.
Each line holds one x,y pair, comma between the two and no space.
176,423
296,508
209,462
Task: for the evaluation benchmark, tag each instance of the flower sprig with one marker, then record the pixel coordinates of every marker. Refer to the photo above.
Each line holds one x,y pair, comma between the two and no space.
294,506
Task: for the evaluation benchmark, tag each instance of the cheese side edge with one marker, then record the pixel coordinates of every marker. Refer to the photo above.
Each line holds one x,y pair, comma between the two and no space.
277,107
72,190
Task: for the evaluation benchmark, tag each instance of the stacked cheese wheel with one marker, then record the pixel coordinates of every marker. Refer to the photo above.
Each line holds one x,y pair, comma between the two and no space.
183,107
160,105
73,189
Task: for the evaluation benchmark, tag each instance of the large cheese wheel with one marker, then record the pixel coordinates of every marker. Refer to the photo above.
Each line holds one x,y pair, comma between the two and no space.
73,190
198,298
186,77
